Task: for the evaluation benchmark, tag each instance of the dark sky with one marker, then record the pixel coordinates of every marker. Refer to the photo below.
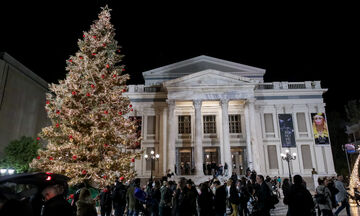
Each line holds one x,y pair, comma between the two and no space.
292,42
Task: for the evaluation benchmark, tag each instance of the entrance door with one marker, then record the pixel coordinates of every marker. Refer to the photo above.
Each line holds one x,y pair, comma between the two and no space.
184,161
238,160
211,158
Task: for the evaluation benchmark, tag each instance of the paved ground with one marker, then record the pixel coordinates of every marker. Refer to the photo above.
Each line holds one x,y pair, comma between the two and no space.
281,210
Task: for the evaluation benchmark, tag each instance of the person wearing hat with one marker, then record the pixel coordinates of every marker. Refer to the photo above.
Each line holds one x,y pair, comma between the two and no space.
119,197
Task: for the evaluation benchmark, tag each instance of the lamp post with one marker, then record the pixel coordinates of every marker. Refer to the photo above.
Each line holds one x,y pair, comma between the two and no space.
151,157
288,157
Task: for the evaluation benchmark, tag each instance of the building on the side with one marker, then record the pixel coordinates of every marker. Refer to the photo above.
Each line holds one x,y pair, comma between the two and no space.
205,110
22,99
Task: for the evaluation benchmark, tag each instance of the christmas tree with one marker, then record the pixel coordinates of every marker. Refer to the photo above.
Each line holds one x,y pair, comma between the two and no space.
91,137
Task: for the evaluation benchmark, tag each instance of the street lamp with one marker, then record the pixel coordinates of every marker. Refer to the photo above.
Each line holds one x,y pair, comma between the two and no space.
7,171
151,157
288,157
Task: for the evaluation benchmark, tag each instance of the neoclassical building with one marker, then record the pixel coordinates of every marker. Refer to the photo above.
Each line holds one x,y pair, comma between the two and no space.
206,109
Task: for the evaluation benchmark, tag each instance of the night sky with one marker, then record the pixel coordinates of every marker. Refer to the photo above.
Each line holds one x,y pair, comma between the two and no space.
292,42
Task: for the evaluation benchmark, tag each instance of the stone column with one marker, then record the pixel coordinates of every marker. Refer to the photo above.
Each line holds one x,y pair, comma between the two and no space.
254,144
198,150
226,135
248,138
163,140
171,136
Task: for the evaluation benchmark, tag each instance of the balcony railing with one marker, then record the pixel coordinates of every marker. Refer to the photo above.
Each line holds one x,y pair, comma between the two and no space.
260,86
287,85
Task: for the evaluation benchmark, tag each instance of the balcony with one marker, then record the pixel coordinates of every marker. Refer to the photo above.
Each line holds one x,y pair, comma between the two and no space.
287,85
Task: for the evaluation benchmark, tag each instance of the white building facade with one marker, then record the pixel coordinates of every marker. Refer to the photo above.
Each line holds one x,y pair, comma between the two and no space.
205,110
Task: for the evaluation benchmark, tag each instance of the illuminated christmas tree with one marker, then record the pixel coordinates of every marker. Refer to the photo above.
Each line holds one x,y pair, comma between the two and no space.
91,136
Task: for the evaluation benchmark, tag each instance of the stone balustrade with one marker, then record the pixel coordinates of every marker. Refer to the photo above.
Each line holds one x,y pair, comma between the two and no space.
260,86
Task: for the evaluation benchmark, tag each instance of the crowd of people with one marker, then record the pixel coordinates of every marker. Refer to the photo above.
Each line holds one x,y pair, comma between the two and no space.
250,195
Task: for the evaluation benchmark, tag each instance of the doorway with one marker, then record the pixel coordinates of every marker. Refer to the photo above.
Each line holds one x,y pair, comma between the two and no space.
238,160
211,158
184,161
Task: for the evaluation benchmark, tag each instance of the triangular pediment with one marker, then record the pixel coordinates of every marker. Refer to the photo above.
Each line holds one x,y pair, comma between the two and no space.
209,78
197,64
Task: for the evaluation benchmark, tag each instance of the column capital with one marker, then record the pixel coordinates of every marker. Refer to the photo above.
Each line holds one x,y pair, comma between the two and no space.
171,103
250,100
224,102
197,104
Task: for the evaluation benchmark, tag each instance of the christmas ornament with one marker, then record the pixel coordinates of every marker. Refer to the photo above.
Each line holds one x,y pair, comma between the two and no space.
107,66
133,160
51,158
57,111
88,94
70,60
94,36
132,110
84,172
92,86
120,113
57,125
114,75
74,157
47,102
103,76
37,138
73,93
104,44
70,137
94,54
38,157
106,112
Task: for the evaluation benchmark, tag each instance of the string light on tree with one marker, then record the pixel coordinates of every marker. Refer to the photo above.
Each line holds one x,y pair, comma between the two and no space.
92,142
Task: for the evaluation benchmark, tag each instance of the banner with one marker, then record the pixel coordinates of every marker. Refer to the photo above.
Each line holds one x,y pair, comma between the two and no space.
287,130
320,128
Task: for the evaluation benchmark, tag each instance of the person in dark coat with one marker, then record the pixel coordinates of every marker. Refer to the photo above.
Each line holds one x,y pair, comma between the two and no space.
219,199
205,200
234,198
55,203
299,199
85,204
263,195
285,187
119,197
105,201
165,200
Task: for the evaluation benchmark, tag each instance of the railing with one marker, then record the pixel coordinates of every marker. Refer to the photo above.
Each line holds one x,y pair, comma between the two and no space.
287,85
260,86
142,88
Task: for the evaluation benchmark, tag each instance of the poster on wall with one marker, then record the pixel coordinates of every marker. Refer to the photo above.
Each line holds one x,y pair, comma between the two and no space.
320,128
287,130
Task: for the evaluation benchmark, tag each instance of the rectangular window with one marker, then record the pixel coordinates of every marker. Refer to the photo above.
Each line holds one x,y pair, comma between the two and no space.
234,123
209,124
269,123
151,125
300,117
184,124
306,156
273,160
